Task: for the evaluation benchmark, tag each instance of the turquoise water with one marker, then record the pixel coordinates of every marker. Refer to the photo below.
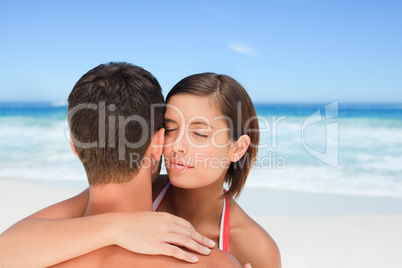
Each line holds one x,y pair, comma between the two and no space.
347,149
367,147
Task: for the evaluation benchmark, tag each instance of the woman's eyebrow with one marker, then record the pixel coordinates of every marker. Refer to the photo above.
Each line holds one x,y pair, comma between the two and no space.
198,122
169,120
201,123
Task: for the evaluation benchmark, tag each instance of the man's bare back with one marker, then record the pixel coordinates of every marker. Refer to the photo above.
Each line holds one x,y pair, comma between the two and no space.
115,256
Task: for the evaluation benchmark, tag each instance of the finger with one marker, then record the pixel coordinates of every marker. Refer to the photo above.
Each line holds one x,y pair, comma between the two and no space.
176,252
187,242
203,240
185,228
194,235
248,265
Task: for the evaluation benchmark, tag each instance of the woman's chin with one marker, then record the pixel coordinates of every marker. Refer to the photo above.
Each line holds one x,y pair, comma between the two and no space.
180,181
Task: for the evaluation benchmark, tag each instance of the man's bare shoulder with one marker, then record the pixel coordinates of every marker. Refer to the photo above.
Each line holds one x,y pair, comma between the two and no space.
114,256
218,258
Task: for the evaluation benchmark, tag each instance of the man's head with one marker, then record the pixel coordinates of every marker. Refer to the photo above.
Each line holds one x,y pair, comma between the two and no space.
113,112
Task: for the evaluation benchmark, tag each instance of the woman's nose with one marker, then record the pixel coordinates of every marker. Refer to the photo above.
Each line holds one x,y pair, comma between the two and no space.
180,145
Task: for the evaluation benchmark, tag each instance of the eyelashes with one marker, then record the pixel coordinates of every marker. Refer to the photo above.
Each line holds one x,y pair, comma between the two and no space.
195,133
201,135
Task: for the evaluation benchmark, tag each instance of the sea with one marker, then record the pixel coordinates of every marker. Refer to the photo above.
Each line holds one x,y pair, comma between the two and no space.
336,148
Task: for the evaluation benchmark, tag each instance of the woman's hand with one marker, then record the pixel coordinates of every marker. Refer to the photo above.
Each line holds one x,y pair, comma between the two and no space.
157,233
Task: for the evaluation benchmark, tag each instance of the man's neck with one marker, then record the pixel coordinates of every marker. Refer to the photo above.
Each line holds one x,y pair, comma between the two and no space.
133,196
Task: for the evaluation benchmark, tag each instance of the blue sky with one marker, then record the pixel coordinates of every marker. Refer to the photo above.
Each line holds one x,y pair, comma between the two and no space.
281,51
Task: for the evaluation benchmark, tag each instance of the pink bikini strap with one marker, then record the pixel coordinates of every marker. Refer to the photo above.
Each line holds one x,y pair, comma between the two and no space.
158,200
225,227
224,232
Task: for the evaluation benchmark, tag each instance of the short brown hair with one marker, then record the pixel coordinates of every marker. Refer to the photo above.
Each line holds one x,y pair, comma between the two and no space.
110,104
226,93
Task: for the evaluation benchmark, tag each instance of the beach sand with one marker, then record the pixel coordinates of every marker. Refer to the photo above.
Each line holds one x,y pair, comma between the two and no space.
328,231
311,230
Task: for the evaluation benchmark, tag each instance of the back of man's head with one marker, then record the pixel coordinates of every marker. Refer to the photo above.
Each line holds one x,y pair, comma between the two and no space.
113,112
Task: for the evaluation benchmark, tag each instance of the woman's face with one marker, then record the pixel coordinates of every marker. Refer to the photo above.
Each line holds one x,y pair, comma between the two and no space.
197,146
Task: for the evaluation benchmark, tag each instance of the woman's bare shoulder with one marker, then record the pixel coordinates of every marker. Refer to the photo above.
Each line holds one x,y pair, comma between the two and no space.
250,242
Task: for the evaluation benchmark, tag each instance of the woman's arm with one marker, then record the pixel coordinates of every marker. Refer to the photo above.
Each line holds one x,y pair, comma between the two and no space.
260,249
250,242
48,236
43,242
58,233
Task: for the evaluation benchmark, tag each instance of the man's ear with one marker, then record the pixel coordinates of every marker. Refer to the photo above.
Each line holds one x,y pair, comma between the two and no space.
240,148
72,147
157,143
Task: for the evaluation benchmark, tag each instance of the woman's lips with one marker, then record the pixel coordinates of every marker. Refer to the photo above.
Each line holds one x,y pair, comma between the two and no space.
179,166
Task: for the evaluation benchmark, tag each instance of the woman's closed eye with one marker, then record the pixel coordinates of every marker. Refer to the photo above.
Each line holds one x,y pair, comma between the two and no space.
169,130
201,135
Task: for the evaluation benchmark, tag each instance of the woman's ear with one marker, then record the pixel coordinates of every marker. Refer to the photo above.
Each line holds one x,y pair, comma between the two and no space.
240,148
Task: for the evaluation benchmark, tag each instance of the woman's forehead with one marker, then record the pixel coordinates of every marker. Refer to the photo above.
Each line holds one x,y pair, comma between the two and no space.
190,109
190,106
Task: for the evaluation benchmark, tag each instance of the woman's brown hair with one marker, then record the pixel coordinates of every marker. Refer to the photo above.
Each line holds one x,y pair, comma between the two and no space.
232,100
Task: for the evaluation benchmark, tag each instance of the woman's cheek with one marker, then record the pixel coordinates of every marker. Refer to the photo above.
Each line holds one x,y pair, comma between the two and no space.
208,152
166,152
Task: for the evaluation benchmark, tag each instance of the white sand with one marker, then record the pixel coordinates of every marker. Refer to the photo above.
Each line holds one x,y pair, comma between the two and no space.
311,230
326,231
19,199
337,241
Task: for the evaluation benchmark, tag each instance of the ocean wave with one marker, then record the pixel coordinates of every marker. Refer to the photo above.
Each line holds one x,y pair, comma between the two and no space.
326,180
59,103
34,145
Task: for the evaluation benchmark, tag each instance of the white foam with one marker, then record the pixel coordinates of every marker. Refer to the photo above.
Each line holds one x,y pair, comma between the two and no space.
370,153
59,103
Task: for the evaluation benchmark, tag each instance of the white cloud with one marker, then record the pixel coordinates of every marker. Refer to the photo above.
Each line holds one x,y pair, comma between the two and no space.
242,49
